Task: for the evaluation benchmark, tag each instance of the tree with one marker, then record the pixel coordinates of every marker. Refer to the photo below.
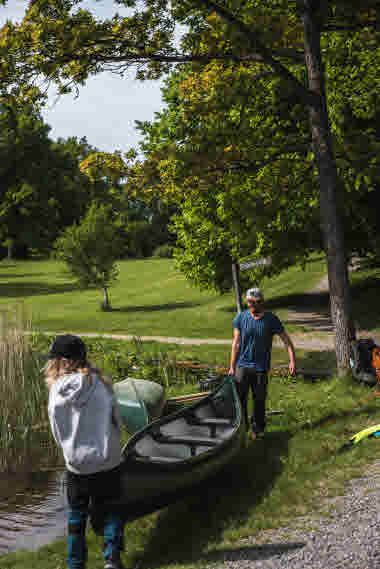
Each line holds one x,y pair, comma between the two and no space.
67,46
143,218
90,250
42,189
23,141
239,173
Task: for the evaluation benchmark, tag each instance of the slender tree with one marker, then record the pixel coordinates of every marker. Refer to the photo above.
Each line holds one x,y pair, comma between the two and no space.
90,249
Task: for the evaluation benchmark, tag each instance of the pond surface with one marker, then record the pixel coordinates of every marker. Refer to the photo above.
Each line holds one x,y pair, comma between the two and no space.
33,510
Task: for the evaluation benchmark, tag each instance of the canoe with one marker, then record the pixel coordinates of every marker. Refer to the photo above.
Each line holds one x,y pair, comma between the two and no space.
171,456
140,402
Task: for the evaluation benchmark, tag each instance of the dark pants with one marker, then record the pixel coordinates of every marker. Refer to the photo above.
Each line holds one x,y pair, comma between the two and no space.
92,490
258,382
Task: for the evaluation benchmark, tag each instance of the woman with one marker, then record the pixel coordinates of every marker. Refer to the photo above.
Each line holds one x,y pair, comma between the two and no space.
85,423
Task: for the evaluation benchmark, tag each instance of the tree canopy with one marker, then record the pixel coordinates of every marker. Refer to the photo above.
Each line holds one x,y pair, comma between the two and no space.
42,188
281,50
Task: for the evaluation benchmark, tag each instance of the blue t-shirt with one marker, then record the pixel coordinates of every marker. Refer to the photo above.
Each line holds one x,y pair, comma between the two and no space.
256,339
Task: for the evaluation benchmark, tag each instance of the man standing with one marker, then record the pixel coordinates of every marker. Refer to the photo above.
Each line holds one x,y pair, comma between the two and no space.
251,353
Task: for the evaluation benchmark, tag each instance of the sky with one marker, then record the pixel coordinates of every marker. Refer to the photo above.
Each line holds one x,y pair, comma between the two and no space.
107,106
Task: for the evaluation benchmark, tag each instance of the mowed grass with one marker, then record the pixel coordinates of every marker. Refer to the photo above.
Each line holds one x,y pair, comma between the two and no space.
150,298
299,464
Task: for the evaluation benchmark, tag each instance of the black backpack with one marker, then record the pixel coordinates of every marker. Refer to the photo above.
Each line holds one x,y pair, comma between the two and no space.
361,360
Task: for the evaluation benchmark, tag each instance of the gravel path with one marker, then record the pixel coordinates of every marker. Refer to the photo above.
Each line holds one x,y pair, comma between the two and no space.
344,536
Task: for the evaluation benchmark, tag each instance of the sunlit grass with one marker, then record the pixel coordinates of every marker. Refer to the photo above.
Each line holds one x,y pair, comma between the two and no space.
290,473
150,298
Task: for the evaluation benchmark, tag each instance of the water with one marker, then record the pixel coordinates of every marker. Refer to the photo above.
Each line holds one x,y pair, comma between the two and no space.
33,510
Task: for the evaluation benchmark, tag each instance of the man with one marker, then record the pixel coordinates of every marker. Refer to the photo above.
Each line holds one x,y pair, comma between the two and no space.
251,353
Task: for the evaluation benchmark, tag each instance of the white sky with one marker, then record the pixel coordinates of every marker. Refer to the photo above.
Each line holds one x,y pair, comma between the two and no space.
107,106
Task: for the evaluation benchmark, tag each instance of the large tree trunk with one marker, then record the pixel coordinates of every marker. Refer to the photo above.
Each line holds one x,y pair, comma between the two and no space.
328,179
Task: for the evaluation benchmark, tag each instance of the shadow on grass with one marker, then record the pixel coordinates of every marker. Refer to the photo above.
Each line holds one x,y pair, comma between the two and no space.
315,361
24,289
254,553
365,300
156,307
312,366
185,529
20,276
334,417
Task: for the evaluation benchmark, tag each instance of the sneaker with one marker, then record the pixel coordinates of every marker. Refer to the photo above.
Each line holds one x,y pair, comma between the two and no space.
114,564
257,435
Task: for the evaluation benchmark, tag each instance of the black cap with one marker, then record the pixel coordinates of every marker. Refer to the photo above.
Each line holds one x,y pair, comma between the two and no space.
67,346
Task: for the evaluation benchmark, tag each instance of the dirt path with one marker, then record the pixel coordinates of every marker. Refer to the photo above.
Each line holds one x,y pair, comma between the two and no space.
315,315
307,315
301,340
322,337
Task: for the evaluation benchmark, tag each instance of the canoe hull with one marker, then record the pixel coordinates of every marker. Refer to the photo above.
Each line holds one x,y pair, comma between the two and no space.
150,482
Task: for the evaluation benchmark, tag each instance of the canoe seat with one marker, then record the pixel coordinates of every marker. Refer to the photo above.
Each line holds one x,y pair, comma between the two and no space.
149,446
213,421
163,459
217,427
182,428
188,440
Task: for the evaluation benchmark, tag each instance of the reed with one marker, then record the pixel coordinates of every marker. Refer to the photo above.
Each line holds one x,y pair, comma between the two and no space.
25,438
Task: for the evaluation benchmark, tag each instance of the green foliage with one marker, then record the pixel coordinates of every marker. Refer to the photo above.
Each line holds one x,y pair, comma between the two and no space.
42,188
90,249
247,127
239,193
163,251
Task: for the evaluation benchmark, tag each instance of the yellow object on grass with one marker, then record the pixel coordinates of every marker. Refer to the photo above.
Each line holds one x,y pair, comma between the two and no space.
373,431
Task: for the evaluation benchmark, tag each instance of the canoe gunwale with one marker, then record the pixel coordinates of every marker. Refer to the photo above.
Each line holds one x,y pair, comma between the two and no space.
132,457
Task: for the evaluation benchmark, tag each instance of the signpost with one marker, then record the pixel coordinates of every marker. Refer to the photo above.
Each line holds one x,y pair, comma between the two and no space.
236,281
244,266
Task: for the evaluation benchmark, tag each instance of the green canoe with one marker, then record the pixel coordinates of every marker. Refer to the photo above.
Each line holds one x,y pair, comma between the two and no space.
140,402
170,457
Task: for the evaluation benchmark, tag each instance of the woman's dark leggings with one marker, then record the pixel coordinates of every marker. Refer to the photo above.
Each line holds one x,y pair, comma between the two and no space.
258,381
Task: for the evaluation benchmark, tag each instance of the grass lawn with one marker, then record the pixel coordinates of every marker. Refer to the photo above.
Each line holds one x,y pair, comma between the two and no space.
289,473
150,298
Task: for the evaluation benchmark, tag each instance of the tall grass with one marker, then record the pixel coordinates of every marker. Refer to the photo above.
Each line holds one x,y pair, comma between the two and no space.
25,437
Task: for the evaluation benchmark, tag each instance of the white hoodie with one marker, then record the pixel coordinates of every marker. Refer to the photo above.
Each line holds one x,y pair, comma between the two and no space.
85,421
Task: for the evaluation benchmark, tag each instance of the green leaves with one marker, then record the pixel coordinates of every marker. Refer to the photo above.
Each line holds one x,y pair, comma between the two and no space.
91,248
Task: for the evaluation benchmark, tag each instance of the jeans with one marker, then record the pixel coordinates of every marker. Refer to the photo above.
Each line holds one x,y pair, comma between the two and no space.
83,491
258,382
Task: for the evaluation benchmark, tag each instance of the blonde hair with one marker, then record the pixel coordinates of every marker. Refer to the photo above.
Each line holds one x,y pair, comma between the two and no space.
59,367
